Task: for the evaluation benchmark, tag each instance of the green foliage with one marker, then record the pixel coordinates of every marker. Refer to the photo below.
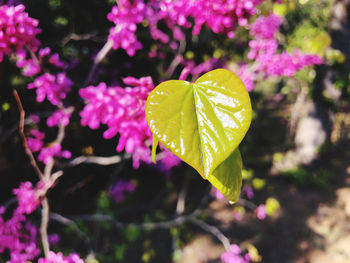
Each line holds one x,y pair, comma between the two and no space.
203,124
132,233
272,205
299,175
119,252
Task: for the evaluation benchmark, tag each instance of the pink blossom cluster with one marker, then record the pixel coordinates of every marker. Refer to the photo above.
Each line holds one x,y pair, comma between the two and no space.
123,111
51,151
60,258
120,188
52,87
35,140
261,212
234,255
247,76
17,30
31,63
46,154
222,17
27,197
126,16
263,48
287,64
59,117
18,237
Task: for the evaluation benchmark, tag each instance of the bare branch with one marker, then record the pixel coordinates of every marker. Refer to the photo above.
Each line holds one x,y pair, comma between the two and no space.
77,37
149,226
99,160
214,231
98,59
24,139
43,227
68,222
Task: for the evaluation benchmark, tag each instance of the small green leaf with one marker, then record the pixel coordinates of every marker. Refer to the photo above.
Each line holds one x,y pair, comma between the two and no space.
203,123
227,177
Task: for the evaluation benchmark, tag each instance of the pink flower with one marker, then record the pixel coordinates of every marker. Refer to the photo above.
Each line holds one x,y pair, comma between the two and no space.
261,212
126,16
123,111
234,255
263,48
27,198
18,238
51,151
246,76
52,87
17,30
120,188
59,258
59,117
217,194
35,141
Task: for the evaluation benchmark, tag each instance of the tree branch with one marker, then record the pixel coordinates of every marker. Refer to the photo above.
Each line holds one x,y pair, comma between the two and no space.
212,230
24,139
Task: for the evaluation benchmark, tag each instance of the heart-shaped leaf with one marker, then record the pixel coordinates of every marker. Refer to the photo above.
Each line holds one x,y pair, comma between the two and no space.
201,122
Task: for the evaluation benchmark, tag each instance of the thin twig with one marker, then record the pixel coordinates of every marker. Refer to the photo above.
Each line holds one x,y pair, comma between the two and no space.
247,203
100,160
149,226
77,37
44,224
212,230
180,206
177,59
68,222
24,139
98,59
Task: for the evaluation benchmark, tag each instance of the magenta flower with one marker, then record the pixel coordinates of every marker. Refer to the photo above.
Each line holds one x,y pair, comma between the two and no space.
120,188
51,151
35,141
59,258
234,255
27,198
59,117
263,48
261,212
18,238
123,111
52,87
17,30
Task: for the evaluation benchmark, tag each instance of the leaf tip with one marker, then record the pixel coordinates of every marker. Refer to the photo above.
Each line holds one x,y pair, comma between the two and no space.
154,149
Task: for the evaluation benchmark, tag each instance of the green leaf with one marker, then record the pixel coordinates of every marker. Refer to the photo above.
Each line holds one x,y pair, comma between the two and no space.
227,177
201,122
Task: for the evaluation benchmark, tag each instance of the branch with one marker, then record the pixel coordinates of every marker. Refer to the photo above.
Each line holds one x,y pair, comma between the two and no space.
149,226
77,37
247,203
43,227
98,59
214,231
24,139
99,160
68,222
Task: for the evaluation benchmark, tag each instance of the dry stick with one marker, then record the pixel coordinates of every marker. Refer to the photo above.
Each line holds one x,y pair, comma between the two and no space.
48,177
24,139
44,201
98,59
43,227
212,230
